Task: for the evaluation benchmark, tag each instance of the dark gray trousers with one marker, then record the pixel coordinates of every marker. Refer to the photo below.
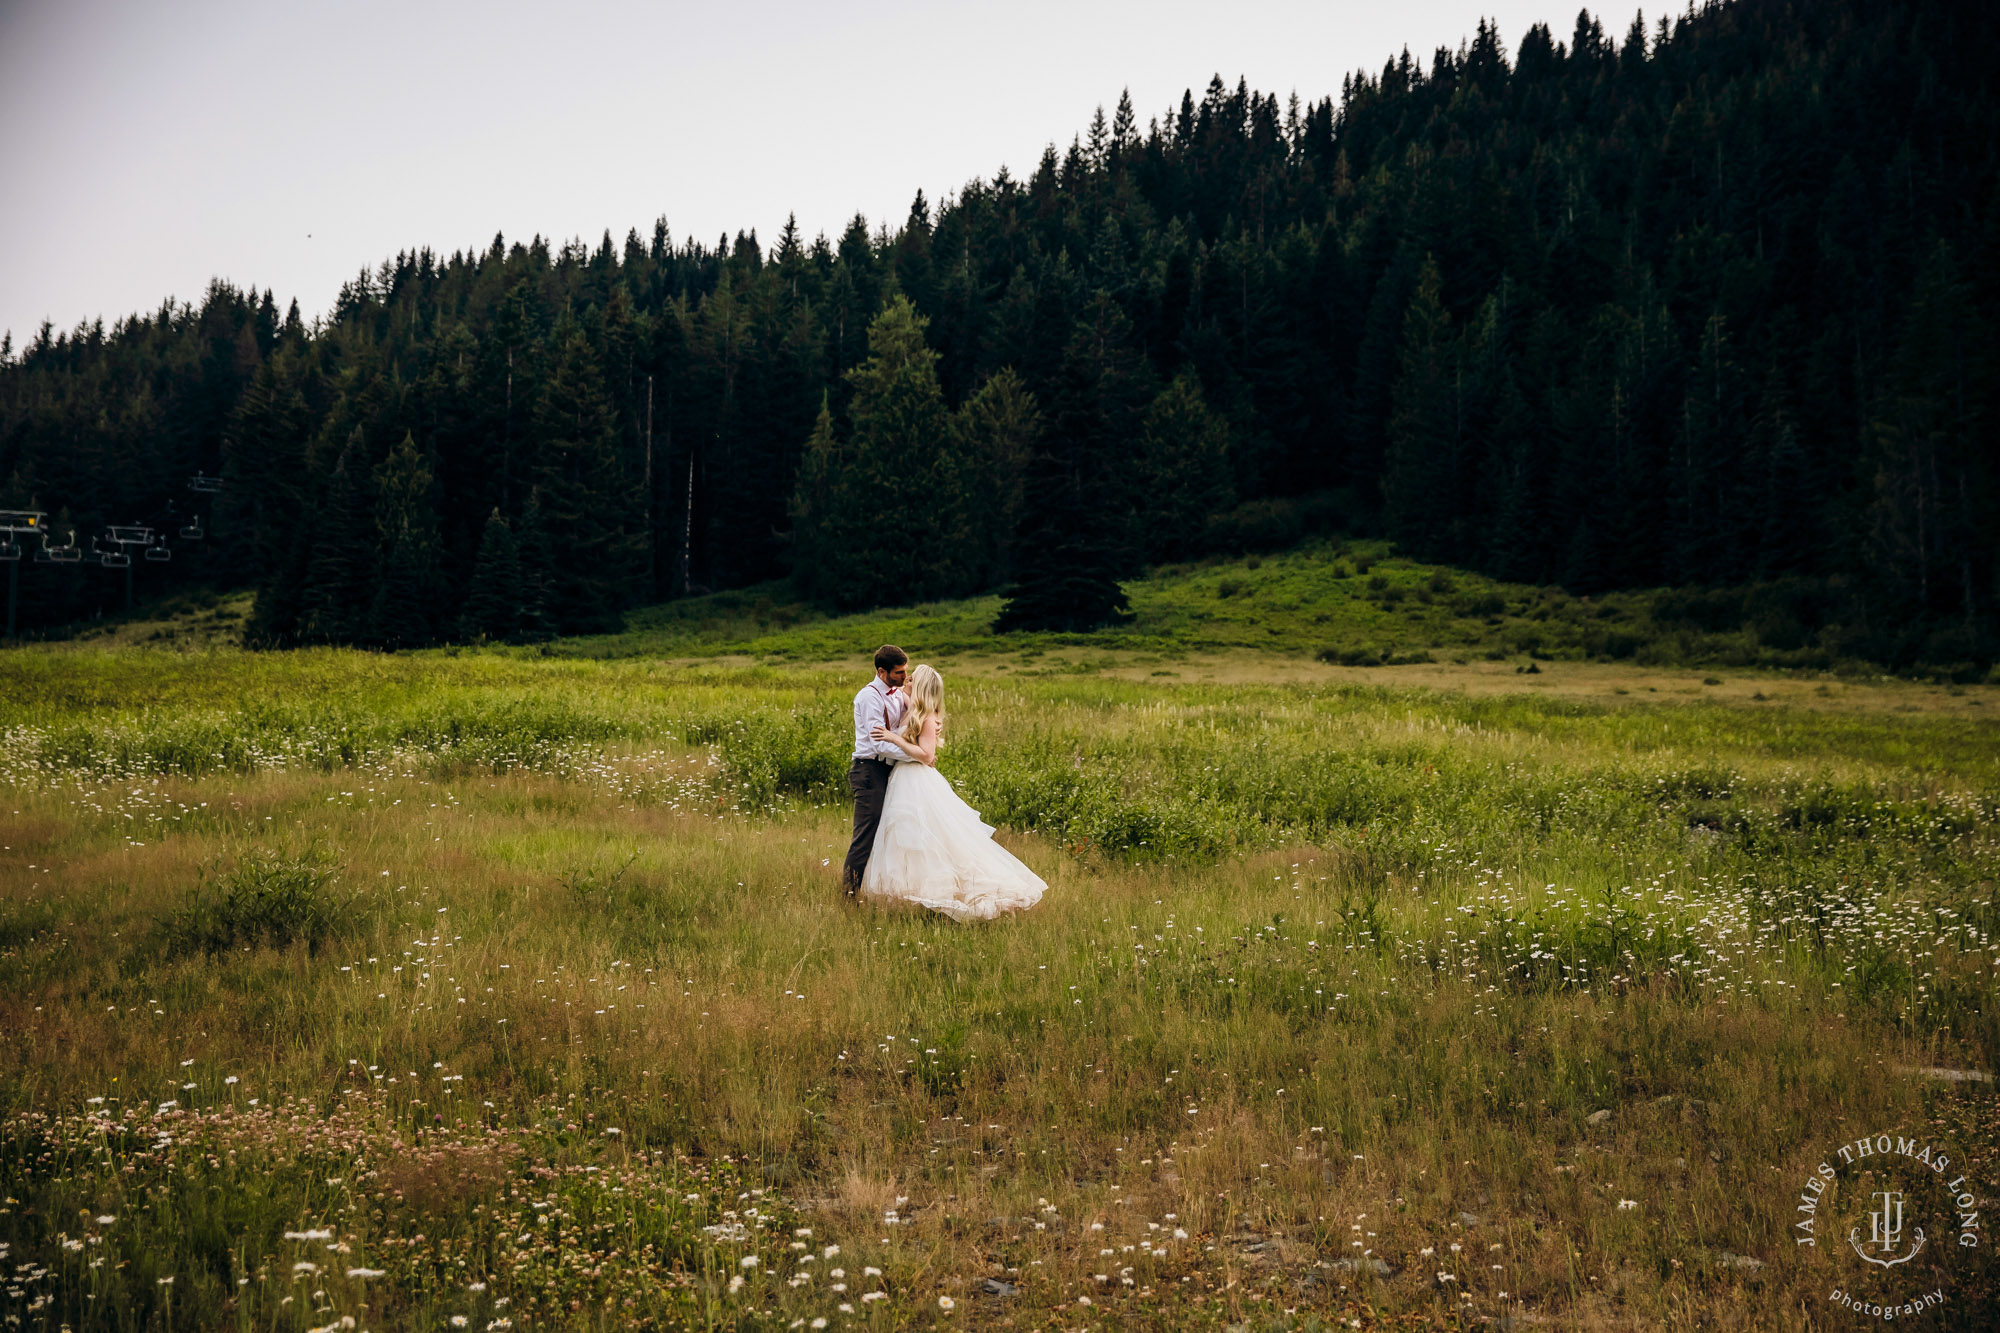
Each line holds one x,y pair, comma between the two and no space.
868,779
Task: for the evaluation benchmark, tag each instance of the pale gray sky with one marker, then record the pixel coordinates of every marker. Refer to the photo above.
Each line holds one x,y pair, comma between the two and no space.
147,147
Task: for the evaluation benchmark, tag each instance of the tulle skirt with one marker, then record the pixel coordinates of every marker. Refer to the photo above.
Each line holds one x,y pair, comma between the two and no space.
932,849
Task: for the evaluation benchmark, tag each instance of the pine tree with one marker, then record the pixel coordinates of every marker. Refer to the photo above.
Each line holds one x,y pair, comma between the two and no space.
885,519
536,621
1786,539
1375,370
1514,540
1703,479
1420,472
342,553
406,590
1079,539
997,431
1124,127
592,529
1185,467
262,514
493,603
1928,522
830,519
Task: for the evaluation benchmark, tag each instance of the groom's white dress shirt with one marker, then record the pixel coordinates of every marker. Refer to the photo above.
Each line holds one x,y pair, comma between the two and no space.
877,706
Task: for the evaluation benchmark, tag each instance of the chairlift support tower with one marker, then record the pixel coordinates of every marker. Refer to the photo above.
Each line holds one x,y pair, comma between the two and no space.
112,552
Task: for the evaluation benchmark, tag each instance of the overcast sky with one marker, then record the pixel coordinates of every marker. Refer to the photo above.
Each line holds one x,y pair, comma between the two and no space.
147,147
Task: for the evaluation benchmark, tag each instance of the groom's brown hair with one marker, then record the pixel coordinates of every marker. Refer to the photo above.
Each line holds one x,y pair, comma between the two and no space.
888,657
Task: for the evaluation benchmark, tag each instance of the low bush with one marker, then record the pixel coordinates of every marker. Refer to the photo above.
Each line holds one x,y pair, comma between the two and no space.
800,754
266,899
1277,525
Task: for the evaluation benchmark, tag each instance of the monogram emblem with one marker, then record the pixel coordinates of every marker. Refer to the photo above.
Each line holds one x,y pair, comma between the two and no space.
1885,1232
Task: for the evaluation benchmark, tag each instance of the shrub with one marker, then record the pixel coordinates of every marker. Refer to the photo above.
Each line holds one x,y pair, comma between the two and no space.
267,899
1712,609
1618,644
769,756
1274,525
1484,604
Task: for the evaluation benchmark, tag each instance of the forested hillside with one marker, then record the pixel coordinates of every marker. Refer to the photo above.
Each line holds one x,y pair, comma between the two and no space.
1710,303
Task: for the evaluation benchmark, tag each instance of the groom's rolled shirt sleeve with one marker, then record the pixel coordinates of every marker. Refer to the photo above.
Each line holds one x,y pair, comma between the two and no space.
870,712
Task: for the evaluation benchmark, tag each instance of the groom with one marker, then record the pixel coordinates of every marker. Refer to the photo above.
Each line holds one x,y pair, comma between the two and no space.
879,704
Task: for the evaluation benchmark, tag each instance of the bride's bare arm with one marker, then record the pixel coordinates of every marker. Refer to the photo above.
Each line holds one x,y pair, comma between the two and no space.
923,749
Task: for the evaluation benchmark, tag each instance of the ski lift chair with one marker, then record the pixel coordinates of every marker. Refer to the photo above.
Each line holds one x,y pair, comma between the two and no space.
159,554
66,554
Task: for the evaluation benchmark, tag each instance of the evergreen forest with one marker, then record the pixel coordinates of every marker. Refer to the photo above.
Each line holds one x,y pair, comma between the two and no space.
1710,304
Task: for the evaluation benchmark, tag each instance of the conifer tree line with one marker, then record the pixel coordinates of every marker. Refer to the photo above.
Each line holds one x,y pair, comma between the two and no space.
1710,304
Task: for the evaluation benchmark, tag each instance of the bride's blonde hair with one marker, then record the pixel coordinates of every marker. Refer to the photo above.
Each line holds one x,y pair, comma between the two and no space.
925,692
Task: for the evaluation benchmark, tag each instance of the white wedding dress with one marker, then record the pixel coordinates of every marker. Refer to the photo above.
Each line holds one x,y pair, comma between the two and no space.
932,849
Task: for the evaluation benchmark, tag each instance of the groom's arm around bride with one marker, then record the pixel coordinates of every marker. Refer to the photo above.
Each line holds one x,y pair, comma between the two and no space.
878,704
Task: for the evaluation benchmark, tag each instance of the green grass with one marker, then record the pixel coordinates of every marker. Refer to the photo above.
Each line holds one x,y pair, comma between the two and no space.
1352,603
1322,961
1354,599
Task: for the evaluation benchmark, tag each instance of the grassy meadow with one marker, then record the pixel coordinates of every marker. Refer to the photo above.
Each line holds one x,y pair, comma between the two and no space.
1351,603
503,989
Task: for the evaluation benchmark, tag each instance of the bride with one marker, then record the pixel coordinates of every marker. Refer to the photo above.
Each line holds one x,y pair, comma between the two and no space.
931,848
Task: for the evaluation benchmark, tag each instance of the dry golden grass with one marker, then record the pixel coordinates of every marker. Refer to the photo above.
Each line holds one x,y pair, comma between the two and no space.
1295,1055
